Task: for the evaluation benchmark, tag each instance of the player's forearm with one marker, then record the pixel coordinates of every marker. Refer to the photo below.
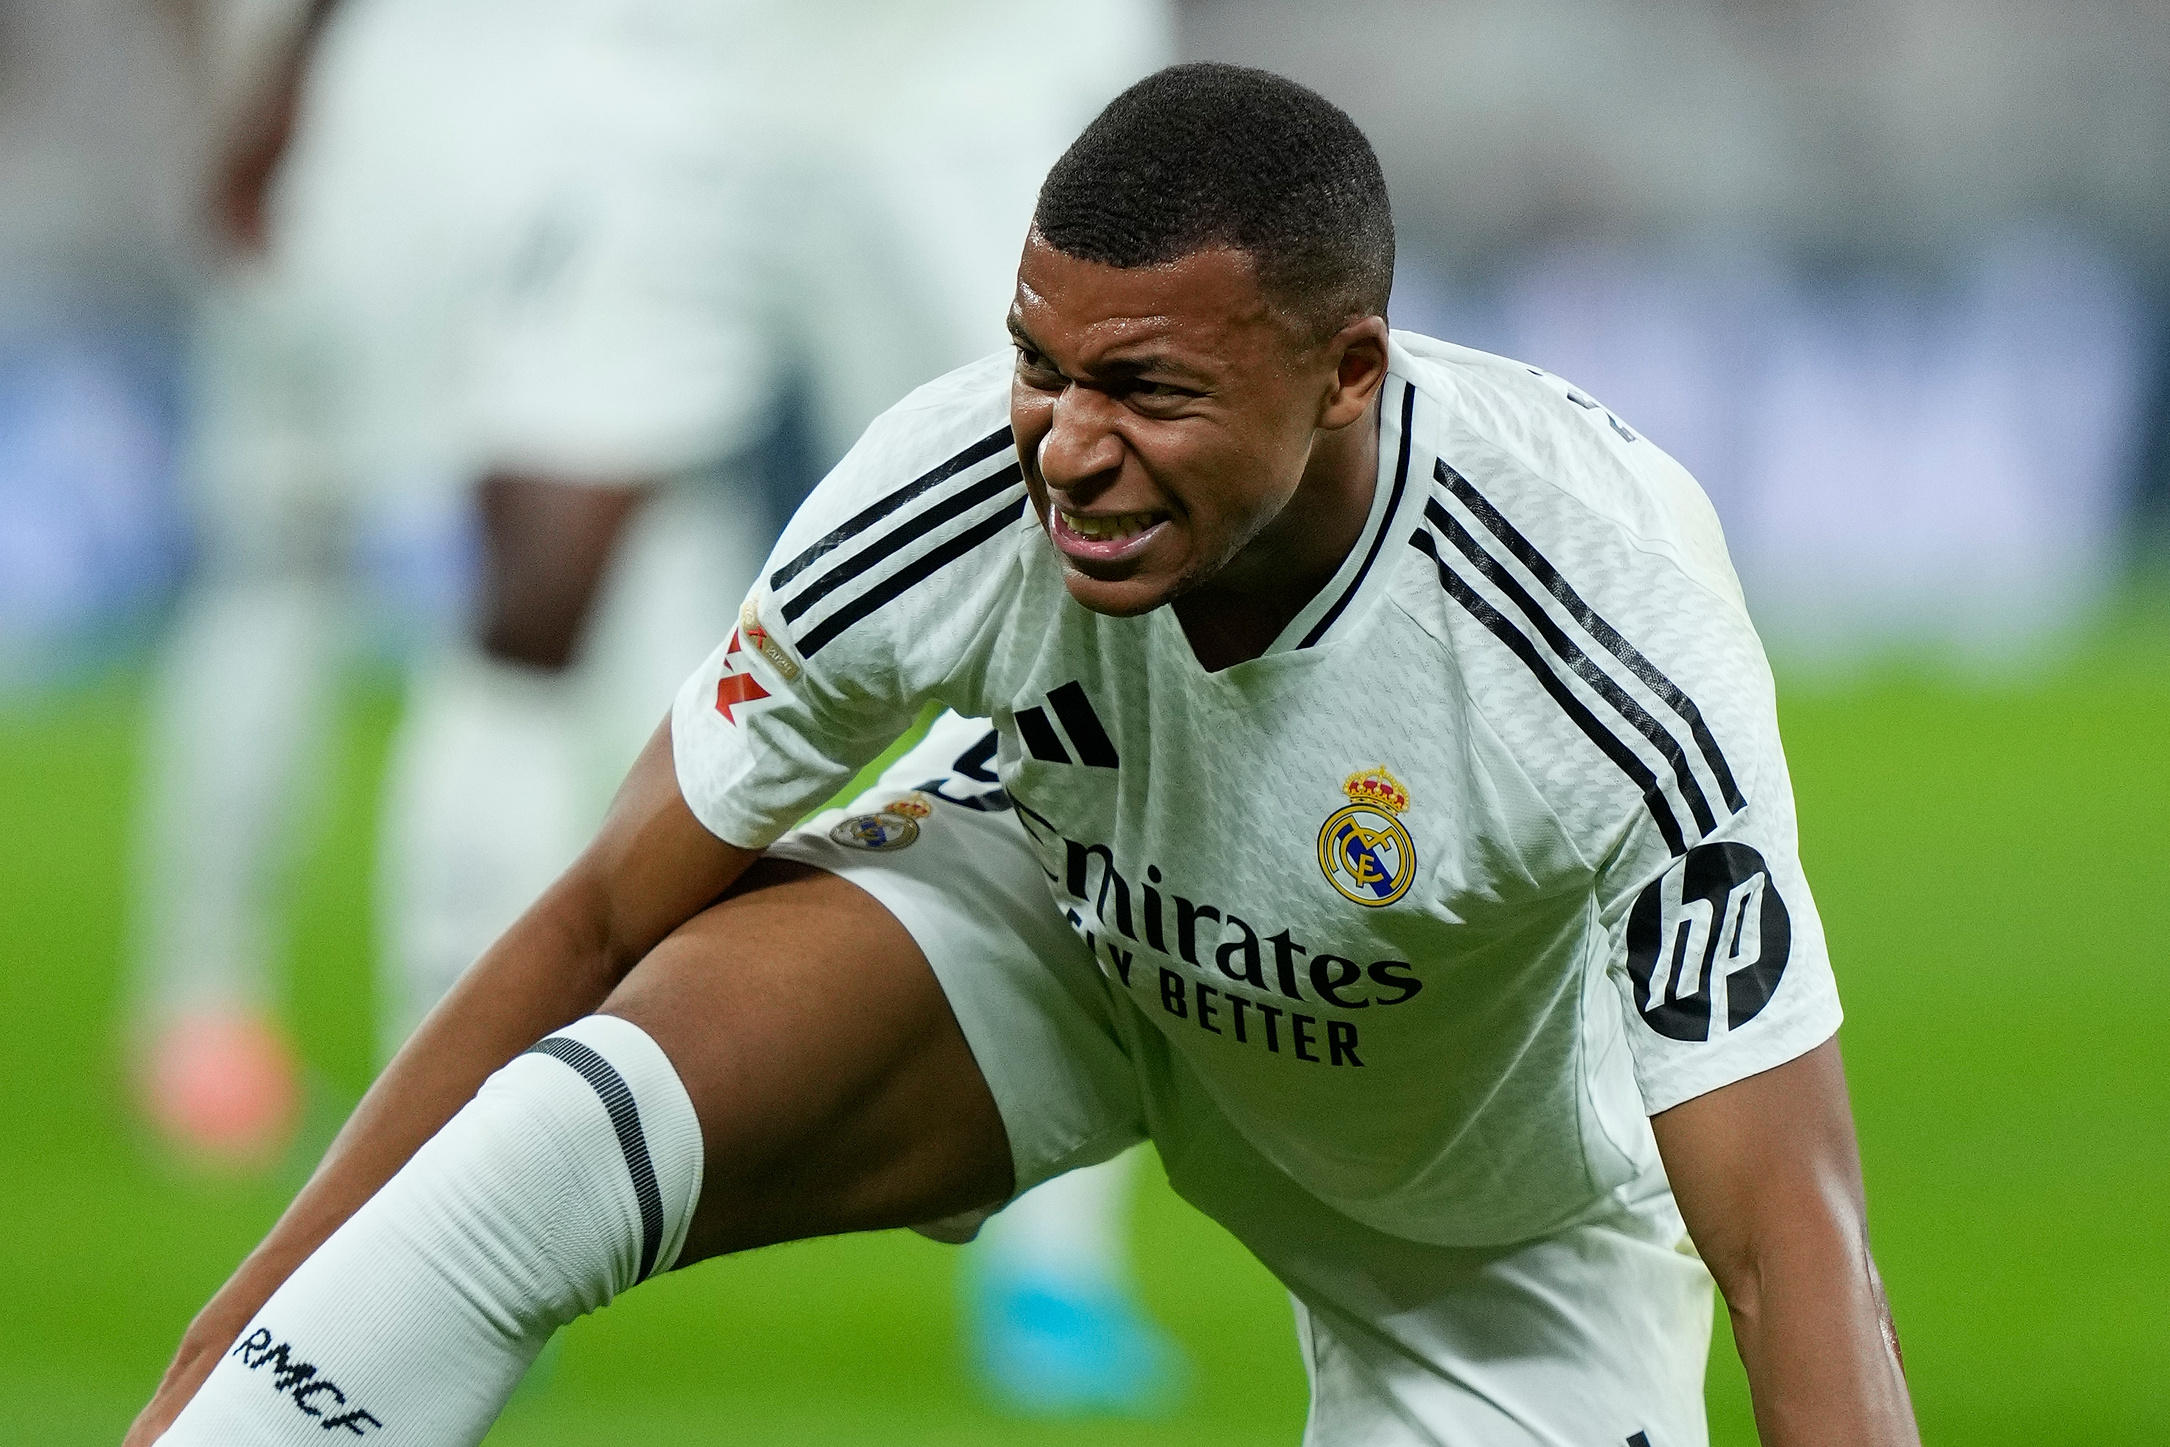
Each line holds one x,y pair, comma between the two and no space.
1768,1177
652,867
250,155
1814,1332
554,966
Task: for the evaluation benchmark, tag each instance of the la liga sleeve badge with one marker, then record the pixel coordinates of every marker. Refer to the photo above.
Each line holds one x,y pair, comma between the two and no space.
1364,850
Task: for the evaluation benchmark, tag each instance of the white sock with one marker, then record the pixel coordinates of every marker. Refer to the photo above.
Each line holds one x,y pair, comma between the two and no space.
1070,1231
570,1177
239,719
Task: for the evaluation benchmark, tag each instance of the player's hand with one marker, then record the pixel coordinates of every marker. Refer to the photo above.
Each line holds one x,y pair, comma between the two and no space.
190,1366
214,1328
228,1314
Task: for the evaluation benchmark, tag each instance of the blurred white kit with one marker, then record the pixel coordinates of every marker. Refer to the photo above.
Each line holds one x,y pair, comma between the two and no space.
591,240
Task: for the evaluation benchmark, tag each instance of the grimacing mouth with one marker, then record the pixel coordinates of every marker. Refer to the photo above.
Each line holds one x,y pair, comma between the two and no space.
1109,527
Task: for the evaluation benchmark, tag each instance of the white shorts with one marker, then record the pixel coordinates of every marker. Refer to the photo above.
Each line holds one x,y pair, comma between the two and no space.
1593,1337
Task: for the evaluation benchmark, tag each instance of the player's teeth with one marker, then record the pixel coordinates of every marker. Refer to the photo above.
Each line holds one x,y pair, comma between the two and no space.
1104,529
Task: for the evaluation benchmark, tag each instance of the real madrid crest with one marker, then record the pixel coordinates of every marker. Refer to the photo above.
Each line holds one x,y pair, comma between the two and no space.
1363,849
893,826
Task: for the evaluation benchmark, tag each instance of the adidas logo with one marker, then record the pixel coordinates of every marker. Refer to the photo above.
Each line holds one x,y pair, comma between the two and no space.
1089,743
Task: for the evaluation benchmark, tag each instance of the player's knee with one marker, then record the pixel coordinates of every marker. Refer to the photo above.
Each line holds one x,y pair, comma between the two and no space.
592,1123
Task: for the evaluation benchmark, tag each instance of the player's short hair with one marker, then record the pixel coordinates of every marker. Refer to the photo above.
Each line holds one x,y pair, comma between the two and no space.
1206,155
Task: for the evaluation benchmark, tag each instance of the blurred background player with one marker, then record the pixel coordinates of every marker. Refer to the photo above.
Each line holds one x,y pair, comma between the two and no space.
517,292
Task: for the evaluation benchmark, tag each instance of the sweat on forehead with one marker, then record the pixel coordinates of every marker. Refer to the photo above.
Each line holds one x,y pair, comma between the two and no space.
1207,155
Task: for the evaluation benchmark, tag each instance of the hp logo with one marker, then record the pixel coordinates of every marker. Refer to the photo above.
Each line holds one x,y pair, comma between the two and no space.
1707,941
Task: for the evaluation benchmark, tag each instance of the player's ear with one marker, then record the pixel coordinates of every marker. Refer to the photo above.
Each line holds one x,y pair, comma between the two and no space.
1357,354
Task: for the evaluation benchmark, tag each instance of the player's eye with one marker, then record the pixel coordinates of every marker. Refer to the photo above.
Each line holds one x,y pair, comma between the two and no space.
1035,369
1158,395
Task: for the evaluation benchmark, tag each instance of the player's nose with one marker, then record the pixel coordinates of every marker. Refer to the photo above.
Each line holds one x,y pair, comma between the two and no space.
1080,447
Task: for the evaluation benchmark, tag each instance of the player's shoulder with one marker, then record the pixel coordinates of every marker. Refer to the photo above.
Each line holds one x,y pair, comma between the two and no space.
908,520
1577,582
1568,467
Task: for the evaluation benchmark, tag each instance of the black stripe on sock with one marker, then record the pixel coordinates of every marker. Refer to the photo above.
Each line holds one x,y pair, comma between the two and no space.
1565,649
1497,623
1386,524
1496,523
919,526
859,522
1095,749
617,1099
904,579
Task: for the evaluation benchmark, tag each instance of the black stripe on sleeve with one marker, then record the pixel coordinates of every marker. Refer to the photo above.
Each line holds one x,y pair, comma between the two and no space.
1094,748
1565,649
1496,523
979,451
956,504
1386,523
1623,757
825,632
617,1099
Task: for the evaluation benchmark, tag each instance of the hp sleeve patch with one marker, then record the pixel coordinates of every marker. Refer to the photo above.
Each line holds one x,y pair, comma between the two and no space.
1707,940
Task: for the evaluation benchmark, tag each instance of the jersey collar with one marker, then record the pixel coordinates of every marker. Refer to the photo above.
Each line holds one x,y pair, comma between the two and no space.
1403,413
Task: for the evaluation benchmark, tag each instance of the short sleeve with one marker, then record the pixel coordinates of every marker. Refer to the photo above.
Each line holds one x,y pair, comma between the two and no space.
757,739
890,581
1712,935
1666,773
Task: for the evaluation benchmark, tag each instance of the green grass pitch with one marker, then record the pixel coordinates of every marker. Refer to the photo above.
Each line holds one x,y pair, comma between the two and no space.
1993,865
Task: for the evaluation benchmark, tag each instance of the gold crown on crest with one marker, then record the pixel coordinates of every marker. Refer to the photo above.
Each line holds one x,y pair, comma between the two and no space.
1377,788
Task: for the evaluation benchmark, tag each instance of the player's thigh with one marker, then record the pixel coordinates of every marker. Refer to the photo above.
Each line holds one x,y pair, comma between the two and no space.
938,843
1594,1333
834,1088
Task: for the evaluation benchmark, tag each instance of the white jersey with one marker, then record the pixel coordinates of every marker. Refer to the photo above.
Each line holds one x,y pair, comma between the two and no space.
1489,855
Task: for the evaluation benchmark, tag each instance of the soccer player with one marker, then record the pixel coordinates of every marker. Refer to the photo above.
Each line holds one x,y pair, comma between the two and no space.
1383,813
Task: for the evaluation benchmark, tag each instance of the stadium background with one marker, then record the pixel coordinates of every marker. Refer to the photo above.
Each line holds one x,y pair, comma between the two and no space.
1891,278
